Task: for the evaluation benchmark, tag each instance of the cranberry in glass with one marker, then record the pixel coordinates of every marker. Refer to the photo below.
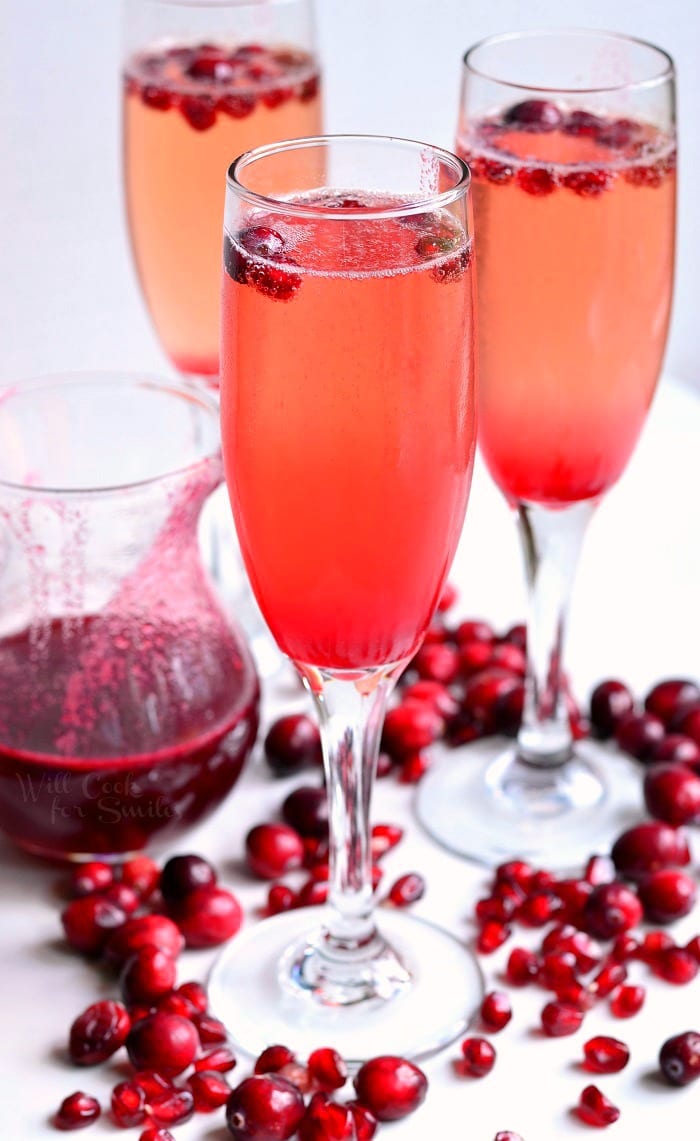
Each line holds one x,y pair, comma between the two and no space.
264,1107
679,1058
98,1033
166,1043
306,810
648,847
183,874
672,793
208,916
76,1111
293,743
533,115
390,1087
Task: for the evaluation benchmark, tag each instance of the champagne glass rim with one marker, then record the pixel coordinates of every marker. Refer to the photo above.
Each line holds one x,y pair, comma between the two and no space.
416,205
666,65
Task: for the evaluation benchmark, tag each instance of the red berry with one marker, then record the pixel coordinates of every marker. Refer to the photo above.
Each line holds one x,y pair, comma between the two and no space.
128,1104
507,1135
172,1107
595,1109
560,1019
492,936
292,742
537,181
183,874
639,734
672,793
326,1120
158,98
588,183
264,1107
199,111
523,967
410,727
166,1043
474,630
98,1033
679,749
209,1090
384,837
153,1133
143,931
390,1087
141,873
478,1057
89,921
648,847
679,1058
666,895
327,1069
583,123
407,889
91,877
534,115
238,106
687,721
627,1001
280,898
604,1055
438,662
486,696
208,916
610,701
123,896
366,1124
668,699
306,811
273,849
675,965
195,994
610,976
611,909
148,975
76,1111
152,1084
220,1061
272,1059
496,1011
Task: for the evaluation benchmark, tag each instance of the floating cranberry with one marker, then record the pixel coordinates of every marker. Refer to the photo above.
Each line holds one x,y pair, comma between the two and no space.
76,1111
611,700
89,921
306,810
264,1107
172,1107
648,847
478,1057
668,699
536,180
560,1019
666,895
327,1069
209,1090
293,742
128,1104
534,115
595,1108
496,1011
183,874
583,123
278,281
639,734
366,1124
587,183
210,64
91,877
98,1033
407,889
627,1001
410,727
611,909
199,111
236,104
143,931
166,1043
157,98
672,793
326,1120
208,916
390,1087
605,1055
679,1058
141,873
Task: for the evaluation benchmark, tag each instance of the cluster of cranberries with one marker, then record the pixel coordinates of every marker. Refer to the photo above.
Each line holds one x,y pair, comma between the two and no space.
207,79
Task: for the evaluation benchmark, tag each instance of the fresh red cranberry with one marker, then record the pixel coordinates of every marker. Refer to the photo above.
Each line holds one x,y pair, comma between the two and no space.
437,695
142,874
280,898
558,969
687,721
306,810
639,734
183,874
123,896
560,1019
649,847
496,1011
277,281
209,1090
675,965
91,877
534,115
438,663
406,889
211,64
485,696
672,793
627,1001
611,975
679,749
573,895
264,1107
410,727
508,656
478,1057
172,1107
693,946
536,180
610,701
166,1043
143,931
327,1120
390,1087
668,698
76,1111
273,849
89,921
624,948
327,1069
679,1058
292,742
208,916
221,1060
666,895
653,943
595,1108
610,910
128,1104
195,994
98,1033
523,967
211,1030
366,1124
272,1059
474,630
148,975
605,1055
474,656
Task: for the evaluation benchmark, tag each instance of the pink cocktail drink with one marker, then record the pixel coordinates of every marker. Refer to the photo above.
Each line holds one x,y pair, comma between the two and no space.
188,110
575,236
348,422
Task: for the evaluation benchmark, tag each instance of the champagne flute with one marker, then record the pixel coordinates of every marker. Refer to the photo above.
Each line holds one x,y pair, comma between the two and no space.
348,432
571,140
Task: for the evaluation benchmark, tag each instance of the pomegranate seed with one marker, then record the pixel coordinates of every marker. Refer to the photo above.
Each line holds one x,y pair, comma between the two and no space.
496,1011
627,1001
523,967
272,1059
537,181
672,793
280,898
639,734
366,1124
183,874
199,111
694,947
384,838
599,869
558,969
624,948
171,1003
573,896
675,965
148,975
166,1043
128,1104
221,1061
534,115
211,1031
264,1105
208,916
507,1135
173,1107
273,849
605,1055
560,1019
595,1109
298,1075
611,976
89,921
152,1084
516,872
576,994
478,1057
668,698
610,910
410,727
648,847
326,1120
143,931
500,908
653,943
413,768
91,877
142,874
327,1069
492,936
313,893
76,1111
666,895
98,1033
209,1090
153,1133
585,950
538,908
406,889
679,1058
306,811
292,742
390,1087
195,994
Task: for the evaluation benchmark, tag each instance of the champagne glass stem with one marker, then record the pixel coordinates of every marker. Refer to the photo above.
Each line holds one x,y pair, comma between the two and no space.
551,543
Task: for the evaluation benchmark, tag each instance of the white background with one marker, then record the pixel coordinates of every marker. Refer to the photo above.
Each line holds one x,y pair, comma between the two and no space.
68,299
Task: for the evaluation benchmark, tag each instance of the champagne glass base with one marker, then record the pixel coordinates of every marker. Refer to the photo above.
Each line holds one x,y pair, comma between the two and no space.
416,995
484,803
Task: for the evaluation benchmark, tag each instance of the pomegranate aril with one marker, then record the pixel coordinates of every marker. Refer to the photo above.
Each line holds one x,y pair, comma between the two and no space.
496,1011
679,1058
166,1043
667,895
306,811
478,1057
148,975
605,1055
559,1019
208,916
366,1124
128,1104
89,921
280,898
500,908
76,1111
173,1003
507,1135
624,948
152,1083
262,1106
211,1030
573,895
653,943
558,969
390,1087
327,1069
173,1107
326,1120
153,1133
195,994
492,936
384,837
406,889
517,872
98,1033
221,1060
123,897
523,967
183,874
595,1108
413,768
313,893
611,976
91,877
599,869
627,1001
272,1059
209,1090
539,908
273,849
576,994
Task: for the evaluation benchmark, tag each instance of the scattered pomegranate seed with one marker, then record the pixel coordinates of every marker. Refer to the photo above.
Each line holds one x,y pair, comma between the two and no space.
292,742
280,898
76,1111
667,894
153,1133
327,1120
91,877
128,1104
272,1059
264,1106
523,967
195,994
366,1124
507,1135
478,1057
595,1109
627,1001
306,810
98,1033
679,1058
557,970
406,889
273,849
610,976
675,965
148,975
313,893
390,1087
184,874
492,936
653,943
211,1030
209,1090
123,896
539,908
208,916
220,1060
165,1043
152,1084
560,1019
172,1107
89,921
384,837
327,1069
413,768
599,869
604,1055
